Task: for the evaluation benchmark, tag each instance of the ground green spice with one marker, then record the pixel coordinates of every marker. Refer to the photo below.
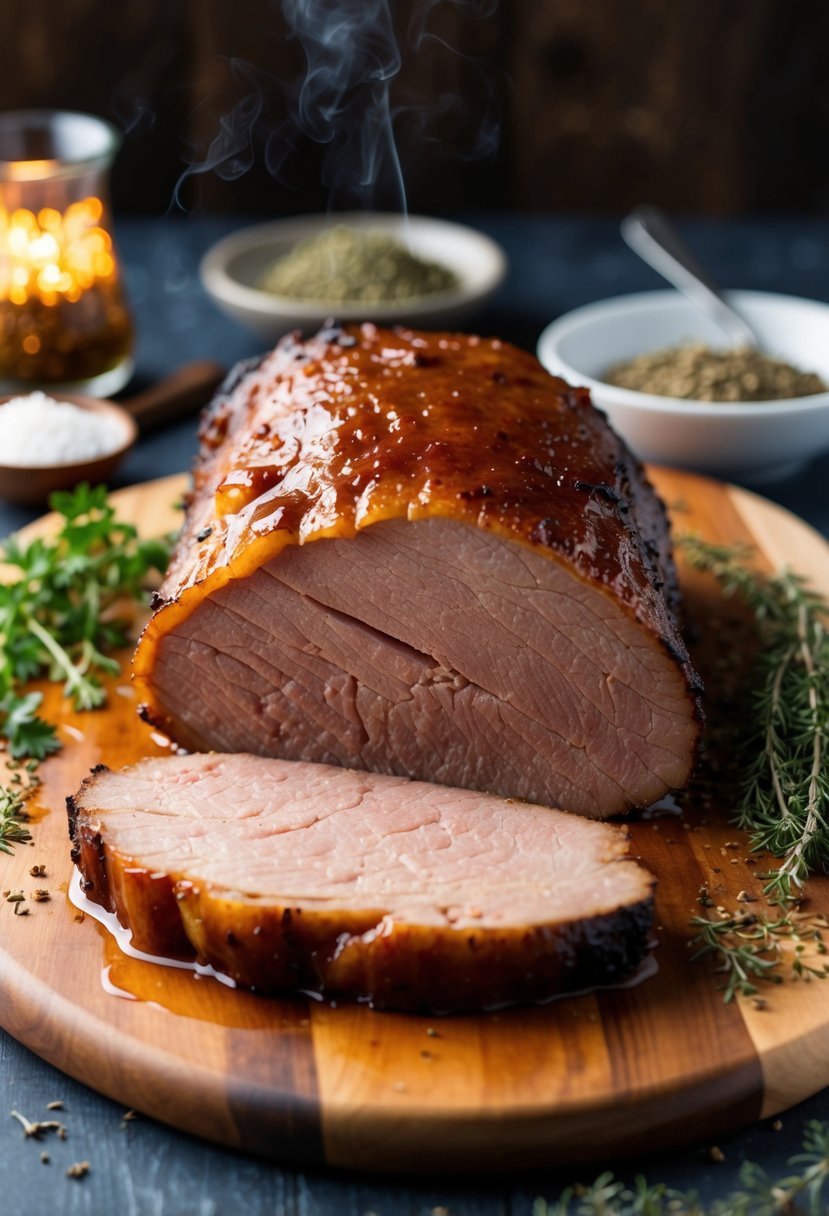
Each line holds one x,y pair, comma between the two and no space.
341,265
698,373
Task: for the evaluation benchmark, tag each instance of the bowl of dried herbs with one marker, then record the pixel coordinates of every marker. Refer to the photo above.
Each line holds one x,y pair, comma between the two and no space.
366,266
681,394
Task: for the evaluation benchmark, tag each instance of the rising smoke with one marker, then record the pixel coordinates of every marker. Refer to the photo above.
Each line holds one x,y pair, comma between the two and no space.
232,150
344,103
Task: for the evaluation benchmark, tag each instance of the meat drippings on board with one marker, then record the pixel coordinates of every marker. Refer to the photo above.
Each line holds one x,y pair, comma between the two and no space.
288,876
420,554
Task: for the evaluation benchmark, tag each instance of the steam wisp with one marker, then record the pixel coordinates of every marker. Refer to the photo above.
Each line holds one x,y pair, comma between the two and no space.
343,102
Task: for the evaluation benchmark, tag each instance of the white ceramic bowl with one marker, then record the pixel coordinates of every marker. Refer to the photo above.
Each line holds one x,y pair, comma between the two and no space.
231,269
750,441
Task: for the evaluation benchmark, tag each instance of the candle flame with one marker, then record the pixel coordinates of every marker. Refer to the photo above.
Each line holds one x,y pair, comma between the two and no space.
51,255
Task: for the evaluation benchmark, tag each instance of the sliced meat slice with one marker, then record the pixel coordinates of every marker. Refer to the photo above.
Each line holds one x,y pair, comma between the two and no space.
294,876
421,555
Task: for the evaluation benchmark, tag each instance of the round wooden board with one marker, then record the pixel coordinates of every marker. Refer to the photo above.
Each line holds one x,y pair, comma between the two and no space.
592,1076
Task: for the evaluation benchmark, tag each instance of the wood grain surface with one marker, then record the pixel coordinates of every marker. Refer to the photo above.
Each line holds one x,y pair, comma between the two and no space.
699,108
610,1072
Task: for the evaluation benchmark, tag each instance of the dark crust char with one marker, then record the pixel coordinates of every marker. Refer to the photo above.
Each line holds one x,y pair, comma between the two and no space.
352,952
327,436
152,901
412,967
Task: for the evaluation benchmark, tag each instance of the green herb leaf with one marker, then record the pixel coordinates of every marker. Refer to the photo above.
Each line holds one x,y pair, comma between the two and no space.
757,1194
13,816
71,603
750,948
784,801
27,734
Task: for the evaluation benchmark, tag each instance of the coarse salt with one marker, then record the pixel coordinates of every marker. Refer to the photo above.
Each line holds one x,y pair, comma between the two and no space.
37,430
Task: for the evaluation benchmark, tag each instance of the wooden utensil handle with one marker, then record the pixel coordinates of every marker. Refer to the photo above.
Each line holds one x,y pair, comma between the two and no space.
177,395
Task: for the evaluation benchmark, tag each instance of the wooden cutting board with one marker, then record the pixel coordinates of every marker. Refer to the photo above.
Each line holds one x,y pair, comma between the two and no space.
610,1072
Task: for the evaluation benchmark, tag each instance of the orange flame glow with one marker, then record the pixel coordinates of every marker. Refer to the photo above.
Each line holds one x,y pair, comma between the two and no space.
50,255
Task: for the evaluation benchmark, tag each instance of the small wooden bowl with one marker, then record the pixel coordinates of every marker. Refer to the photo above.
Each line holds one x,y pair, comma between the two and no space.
32,484
177,395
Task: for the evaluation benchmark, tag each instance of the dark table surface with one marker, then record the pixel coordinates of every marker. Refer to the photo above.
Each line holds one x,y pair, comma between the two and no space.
144,1167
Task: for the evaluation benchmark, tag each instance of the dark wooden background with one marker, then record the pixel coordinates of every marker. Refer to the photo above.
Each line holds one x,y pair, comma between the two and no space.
710,106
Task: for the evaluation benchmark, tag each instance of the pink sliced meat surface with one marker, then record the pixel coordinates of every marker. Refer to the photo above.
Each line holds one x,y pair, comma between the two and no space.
288,875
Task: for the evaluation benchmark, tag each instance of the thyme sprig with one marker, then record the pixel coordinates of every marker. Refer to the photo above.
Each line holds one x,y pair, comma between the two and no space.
803,1191
784,799
750,948
13,798
13,819
67,607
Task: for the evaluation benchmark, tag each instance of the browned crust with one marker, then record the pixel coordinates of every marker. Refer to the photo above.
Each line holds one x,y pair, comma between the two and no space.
407,966
356,953
516,452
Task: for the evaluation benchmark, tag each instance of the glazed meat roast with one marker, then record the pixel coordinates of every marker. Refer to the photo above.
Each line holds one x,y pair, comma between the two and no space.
287,875
421,555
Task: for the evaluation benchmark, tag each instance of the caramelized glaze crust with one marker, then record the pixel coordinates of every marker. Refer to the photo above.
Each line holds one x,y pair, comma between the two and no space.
359,424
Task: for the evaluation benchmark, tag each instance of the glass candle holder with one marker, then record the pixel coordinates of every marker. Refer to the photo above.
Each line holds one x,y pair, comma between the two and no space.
64,322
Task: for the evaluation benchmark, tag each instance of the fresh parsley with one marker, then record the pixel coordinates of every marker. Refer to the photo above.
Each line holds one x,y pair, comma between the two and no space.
68,603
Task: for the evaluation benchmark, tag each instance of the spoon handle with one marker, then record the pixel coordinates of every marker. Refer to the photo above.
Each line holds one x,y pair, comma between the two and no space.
177,395
650,233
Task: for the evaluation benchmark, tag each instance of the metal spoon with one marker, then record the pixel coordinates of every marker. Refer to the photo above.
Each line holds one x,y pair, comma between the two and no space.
650,233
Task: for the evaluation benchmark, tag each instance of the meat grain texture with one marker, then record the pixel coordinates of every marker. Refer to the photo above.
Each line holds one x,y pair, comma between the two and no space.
407,558
291,876
420,554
